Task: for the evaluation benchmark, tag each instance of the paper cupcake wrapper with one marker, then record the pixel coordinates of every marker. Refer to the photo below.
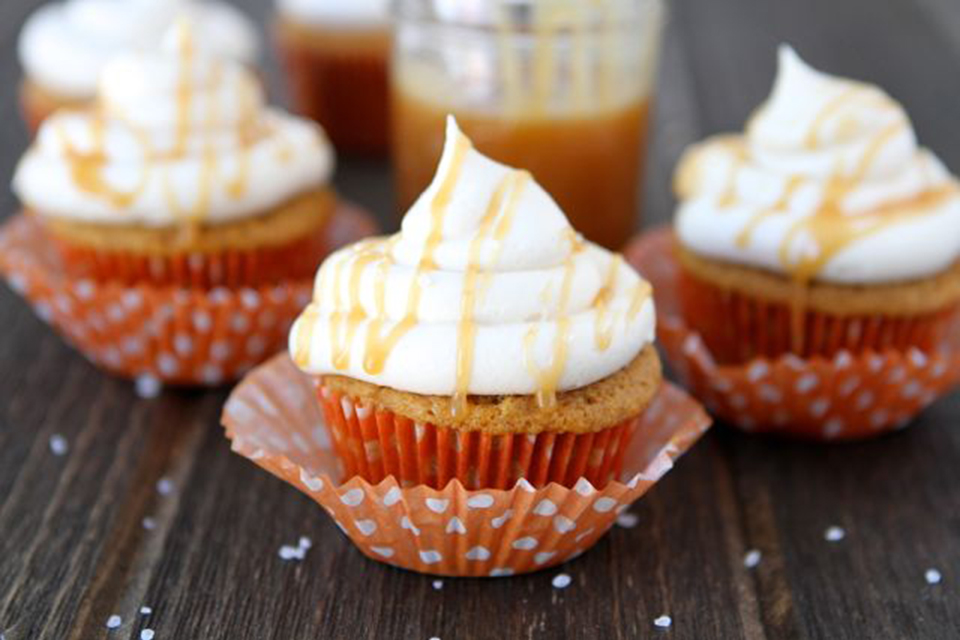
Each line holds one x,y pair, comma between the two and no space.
347,94
274,420
844,397
174,335
755,328
374,443
252,267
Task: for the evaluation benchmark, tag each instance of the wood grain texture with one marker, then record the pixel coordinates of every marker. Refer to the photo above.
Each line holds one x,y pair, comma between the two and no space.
73,548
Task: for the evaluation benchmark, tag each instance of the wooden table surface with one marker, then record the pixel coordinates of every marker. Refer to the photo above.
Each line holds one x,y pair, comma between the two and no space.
73,548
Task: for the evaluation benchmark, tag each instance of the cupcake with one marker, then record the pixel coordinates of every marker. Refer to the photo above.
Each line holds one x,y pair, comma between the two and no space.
180,175
485,342
64,46
335,54
823,228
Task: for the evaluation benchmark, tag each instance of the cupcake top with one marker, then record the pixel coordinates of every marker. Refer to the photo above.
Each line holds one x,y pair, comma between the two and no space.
355,13
486,290
64,46
828,183
176,135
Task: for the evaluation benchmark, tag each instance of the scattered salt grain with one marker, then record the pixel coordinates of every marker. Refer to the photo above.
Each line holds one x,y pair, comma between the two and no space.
752,558
932,576
114,621
305,542
148,387
146,634
58,445
438,584
663,622
149,523
288,552
164,486
627,520
145,610
561,581
834,534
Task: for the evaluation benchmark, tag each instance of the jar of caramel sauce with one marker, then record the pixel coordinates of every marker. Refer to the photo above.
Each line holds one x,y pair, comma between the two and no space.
561,88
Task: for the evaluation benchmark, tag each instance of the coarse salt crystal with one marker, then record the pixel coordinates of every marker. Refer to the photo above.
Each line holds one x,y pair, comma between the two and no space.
58,445
438,584
114,621
752,558
164,486
562,581
663,622
146,634
932,576
834,534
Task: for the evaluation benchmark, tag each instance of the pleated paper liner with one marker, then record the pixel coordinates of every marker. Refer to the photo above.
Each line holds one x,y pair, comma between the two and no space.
755,328
274,420
232,269
374,443
849,395
175,335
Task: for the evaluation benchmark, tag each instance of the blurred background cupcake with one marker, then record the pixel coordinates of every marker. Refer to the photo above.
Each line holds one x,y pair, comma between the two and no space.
336,57
64,46
487,341
825,227
179,174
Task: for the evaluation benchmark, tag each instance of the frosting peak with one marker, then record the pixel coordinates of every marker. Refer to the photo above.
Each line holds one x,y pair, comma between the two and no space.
827,183
486,290
176,134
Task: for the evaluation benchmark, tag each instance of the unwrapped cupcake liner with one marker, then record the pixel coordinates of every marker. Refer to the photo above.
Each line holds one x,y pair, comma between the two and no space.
233,268
847,396
273,419
171,334
753,327
346,92
375,443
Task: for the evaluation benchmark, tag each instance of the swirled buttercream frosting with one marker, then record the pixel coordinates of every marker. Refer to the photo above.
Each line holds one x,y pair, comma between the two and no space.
64,46
828,183
176,135
486,290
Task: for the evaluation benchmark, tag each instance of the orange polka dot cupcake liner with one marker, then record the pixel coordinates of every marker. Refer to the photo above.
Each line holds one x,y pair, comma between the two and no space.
233,268
374,443
273,420
175,335
856,392
755,328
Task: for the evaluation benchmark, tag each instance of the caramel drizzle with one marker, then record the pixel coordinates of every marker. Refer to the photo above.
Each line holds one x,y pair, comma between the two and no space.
86,168
466,327
548,378
379,347
793,184
603,330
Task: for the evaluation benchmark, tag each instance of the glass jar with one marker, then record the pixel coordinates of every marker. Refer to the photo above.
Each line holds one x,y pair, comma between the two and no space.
561,88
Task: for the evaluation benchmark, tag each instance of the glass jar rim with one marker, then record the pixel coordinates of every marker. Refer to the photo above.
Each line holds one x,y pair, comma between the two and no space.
521,15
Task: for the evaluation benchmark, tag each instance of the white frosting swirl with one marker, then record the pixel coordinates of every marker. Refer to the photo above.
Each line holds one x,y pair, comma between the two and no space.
177,134
64,46
828,183
355,13
488,288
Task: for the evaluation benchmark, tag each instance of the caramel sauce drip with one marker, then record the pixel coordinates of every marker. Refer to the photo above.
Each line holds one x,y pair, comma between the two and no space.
603,329
467,328
86,168
379,347
548,378
791,187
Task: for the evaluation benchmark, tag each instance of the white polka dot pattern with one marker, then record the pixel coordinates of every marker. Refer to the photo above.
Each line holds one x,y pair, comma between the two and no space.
849,396
191,337
452,531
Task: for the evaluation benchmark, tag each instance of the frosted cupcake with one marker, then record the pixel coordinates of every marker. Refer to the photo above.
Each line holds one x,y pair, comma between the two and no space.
336,56
825,227
64,46
181,175
487,341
